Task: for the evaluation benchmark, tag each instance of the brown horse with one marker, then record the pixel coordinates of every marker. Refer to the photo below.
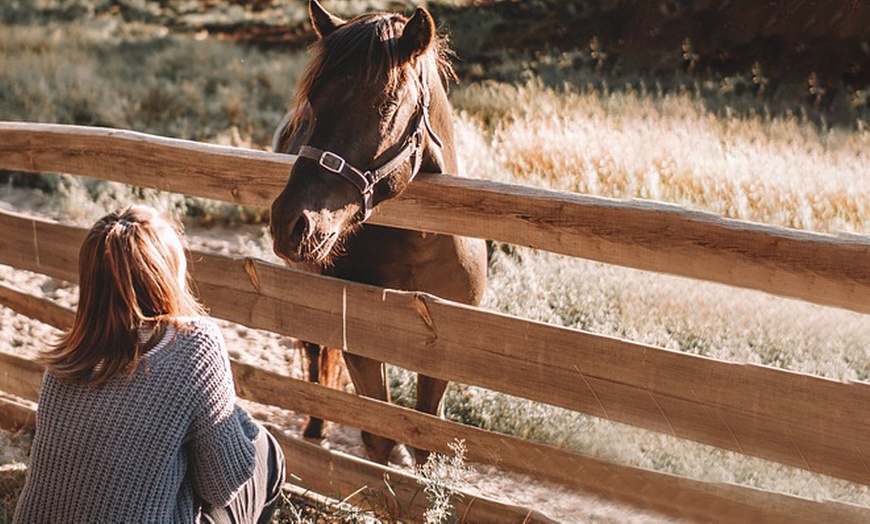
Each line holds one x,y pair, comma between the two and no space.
370,113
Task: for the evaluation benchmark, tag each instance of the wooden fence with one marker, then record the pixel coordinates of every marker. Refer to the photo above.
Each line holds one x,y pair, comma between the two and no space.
796,419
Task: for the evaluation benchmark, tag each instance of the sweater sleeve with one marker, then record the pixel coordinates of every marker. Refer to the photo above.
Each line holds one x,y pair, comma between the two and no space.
220,440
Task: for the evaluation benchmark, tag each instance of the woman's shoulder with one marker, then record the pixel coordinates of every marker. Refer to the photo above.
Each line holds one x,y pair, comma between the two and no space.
194,337
203,326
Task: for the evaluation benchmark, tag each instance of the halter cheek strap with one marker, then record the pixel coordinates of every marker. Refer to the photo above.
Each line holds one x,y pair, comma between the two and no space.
366,181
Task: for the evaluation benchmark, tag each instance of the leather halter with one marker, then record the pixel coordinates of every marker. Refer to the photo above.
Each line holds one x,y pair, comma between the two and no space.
366,181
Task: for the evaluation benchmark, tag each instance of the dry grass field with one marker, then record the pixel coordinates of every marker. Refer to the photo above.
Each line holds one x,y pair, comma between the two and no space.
779,170
695,146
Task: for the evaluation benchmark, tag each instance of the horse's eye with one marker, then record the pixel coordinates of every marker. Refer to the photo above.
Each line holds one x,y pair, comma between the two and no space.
388,106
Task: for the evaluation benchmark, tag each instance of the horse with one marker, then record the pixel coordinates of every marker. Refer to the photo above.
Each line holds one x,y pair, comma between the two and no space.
370,113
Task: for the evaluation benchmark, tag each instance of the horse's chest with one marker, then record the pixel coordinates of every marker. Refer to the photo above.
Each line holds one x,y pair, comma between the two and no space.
449,267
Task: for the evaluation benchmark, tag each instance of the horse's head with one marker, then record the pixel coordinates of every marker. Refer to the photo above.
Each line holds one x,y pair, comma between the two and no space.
360,125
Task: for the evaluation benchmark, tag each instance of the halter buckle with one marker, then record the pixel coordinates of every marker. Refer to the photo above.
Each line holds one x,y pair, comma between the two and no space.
331,162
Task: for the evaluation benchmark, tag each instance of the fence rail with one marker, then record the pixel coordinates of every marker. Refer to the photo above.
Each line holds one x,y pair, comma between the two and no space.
668,494
796,419
799,420
818,268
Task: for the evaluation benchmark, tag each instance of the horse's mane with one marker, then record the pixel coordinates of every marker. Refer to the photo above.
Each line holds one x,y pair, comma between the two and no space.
368,44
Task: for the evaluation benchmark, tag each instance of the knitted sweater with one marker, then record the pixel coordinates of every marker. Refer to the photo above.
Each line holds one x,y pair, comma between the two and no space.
150,448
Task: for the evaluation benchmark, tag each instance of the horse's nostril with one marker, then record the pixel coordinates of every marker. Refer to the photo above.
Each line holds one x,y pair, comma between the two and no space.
300,228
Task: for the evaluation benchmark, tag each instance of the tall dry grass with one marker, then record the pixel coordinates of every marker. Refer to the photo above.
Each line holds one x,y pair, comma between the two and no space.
781,169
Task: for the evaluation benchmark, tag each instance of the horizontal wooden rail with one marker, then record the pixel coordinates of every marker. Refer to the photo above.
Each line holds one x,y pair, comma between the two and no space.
681,497
16,414
796,419
388,491
819,268
43,310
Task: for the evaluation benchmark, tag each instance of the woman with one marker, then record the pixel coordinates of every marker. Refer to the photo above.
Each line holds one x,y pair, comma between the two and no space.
137,419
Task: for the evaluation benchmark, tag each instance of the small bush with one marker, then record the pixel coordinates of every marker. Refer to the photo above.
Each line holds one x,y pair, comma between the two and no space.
441,477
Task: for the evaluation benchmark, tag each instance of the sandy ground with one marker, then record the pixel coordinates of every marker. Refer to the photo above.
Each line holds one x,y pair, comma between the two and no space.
21,335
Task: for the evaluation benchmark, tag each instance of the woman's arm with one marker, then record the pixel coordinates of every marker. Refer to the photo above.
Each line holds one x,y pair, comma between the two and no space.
221,452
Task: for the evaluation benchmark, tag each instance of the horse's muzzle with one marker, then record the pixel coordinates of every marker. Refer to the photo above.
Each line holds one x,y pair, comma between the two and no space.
306,237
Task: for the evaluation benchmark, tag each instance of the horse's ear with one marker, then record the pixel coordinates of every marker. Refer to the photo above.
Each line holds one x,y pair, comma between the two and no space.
323,21
418,35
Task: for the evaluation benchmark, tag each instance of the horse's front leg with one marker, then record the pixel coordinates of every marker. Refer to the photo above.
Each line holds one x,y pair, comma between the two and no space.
430,391
323,368
369,379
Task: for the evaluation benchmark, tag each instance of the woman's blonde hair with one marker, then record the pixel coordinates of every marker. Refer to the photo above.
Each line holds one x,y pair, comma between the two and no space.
132,273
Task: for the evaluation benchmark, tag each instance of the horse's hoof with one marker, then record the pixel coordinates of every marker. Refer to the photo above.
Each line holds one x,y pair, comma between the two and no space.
401,457
379,456
378,448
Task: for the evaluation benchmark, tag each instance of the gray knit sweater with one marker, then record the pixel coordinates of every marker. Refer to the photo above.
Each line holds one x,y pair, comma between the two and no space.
147,449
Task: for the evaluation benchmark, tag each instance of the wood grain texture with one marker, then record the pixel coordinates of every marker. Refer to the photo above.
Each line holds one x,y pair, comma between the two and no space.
388,491
818,268
797,419
235,175
650,236
36,308
16,414
20,377
668,494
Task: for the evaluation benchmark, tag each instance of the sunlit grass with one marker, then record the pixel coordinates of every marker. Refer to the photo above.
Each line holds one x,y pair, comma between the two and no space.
155,83
780,170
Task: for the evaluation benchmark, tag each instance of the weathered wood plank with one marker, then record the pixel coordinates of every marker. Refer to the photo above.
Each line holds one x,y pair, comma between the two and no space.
36,308
144,160
20,377
677,496
819,268
40,245
388,491
796,419
645,235
672,495
16,414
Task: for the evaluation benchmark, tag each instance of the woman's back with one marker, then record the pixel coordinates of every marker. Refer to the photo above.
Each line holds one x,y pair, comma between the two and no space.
137,420
136,449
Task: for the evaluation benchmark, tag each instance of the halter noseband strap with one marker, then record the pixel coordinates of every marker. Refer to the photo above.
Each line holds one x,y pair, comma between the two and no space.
365,181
